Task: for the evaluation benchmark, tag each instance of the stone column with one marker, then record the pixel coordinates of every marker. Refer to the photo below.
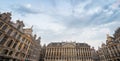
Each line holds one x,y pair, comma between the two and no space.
65,52
48,52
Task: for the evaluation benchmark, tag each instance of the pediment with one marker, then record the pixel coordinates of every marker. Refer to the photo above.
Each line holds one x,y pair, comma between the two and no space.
68,45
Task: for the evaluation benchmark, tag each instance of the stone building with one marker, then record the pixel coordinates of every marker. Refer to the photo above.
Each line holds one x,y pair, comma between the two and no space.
42,55
111,50
68,51
95,56
17,43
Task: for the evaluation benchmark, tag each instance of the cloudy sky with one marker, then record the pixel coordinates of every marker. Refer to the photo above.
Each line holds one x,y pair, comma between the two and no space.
85,21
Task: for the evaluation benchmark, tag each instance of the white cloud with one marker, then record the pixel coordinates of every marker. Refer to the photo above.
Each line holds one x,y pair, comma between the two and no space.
28,5
89,22
45,22
115,5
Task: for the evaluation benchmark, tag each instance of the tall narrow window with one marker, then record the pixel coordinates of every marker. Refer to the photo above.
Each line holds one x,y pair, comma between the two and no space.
4,40
15,34
1,24
23,39
20,46
4,27
19,37
9,32
9,43
23,55
15,44
0,33
17,54
4,51
11,52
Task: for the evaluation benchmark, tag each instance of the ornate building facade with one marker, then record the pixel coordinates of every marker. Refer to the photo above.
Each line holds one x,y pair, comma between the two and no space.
17,43
111,50
68,51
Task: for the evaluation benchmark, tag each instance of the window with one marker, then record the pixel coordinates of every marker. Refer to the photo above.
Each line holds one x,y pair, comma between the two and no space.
5,51
23,39
4,40
4,27
23,55
17,54
27,41
25,47
5,19
0,33
11,52
15,34
1,24
19,37
9,32
118,59
20,46
9,43
15,44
